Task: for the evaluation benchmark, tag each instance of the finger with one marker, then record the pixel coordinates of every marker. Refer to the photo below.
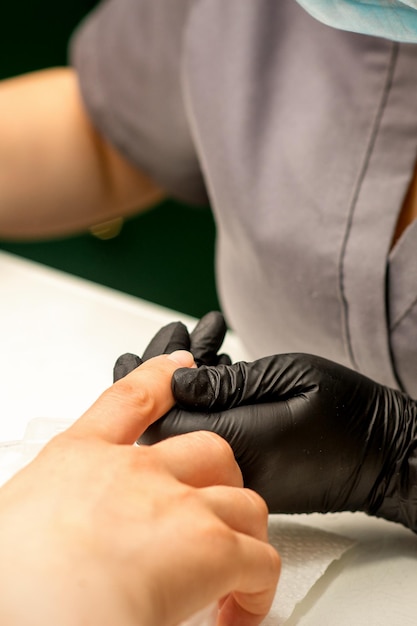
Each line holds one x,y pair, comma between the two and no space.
207,337
170,338
227,386
241,509
228,565
125,364
180,422
223,359
200,459
129,406
250,430
209,388
252,595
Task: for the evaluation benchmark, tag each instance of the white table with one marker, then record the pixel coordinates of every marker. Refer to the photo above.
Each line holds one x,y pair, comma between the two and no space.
59,337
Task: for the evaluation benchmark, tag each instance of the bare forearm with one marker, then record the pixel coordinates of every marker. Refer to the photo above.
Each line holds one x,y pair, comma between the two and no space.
57,175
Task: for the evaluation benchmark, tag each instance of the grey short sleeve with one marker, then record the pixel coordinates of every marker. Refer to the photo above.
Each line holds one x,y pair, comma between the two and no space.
307,140
127,54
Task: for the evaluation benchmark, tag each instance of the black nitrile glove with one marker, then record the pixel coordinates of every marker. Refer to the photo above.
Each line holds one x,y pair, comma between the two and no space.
309,435
203,342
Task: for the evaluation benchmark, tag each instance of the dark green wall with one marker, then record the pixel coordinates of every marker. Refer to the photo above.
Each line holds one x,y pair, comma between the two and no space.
164,255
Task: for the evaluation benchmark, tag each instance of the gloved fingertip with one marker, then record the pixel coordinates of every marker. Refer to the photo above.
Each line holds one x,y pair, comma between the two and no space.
125,364
193,388
207,337
214,321
224,359
172,337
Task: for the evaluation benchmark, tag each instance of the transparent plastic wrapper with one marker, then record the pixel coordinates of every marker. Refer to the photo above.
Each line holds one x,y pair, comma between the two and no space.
16,454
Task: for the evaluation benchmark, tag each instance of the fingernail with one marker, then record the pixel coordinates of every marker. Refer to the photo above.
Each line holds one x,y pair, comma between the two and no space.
182,357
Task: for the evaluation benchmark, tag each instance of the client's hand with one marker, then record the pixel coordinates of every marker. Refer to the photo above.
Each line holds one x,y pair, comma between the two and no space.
97,531
308,434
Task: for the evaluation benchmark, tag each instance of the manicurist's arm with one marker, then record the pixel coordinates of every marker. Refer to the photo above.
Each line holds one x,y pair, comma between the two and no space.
57,174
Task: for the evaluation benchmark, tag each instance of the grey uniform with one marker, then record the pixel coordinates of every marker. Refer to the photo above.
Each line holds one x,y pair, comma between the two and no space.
302,137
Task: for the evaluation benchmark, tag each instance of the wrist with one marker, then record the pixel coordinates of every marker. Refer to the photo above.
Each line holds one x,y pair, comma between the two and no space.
394,496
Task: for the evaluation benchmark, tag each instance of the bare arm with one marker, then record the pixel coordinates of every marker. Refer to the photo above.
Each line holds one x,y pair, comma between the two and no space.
57,174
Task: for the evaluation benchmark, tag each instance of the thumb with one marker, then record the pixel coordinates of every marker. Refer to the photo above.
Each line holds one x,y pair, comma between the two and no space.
226,386
129,406
210,388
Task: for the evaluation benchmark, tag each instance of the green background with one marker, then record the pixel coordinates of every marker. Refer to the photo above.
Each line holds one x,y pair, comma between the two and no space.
165,255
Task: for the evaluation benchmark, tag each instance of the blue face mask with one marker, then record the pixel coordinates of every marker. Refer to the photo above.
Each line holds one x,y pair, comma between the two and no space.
392,19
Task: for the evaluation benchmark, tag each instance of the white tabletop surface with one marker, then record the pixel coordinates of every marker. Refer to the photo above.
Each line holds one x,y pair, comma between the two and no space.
59,338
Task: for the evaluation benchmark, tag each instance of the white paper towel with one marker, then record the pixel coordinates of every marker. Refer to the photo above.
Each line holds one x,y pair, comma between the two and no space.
306,552
16,454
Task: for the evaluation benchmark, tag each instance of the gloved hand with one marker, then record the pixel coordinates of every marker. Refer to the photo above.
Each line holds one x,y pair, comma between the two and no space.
203,342
309,435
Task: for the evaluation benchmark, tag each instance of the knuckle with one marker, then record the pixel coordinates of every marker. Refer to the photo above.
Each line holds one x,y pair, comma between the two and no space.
214,442
222,454
136,395
148,459
213,532
219,444
220,536
275,561
259,505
